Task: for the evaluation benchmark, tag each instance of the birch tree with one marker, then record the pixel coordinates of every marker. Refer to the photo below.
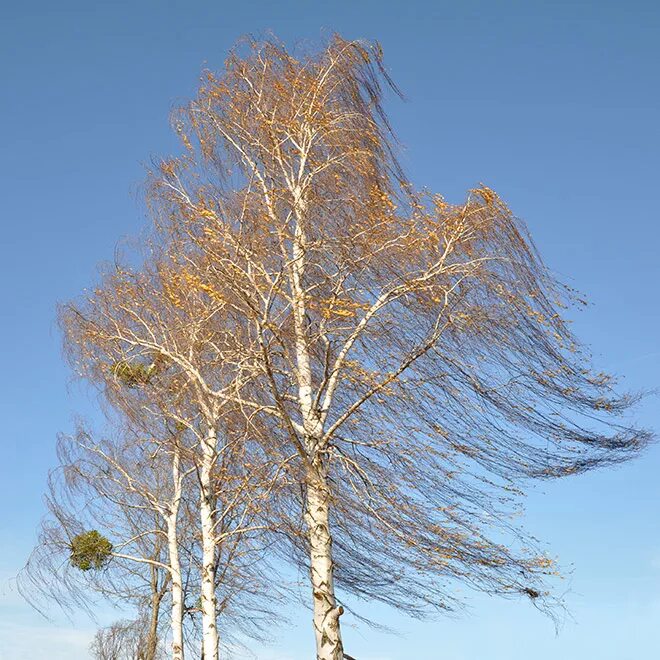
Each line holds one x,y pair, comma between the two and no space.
411,354
113,529
150,341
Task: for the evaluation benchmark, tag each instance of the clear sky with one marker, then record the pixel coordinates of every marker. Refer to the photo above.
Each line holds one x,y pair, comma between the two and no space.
553,104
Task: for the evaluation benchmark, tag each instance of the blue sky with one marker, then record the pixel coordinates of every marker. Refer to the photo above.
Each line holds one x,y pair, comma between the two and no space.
552,104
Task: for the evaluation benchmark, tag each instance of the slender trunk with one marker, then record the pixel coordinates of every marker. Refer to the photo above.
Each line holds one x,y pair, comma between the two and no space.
177,599
208,600
175,563
326,612
152,635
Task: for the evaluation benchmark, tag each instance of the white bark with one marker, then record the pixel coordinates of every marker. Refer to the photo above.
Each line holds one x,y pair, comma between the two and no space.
208,599
177,602
175,564
326,612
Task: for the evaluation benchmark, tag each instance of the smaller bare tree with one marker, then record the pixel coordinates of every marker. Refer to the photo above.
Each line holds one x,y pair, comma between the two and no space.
125,640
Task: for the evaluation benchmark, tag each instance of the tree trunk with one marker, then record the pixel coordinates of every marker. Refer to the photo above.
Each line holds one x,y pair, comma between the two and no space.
152,635
326,612
176,614
177,592
151,642
208,600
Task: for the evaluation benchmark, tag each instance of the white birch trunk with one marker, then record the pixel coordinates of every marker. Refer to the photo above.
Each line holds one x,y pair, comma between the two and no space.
326,612
175,564
208,599
177,602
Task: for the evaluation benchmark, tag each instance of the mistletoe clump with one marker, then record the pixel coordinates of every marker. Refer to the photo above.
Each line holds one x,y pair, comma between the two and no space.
90,550
133,374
